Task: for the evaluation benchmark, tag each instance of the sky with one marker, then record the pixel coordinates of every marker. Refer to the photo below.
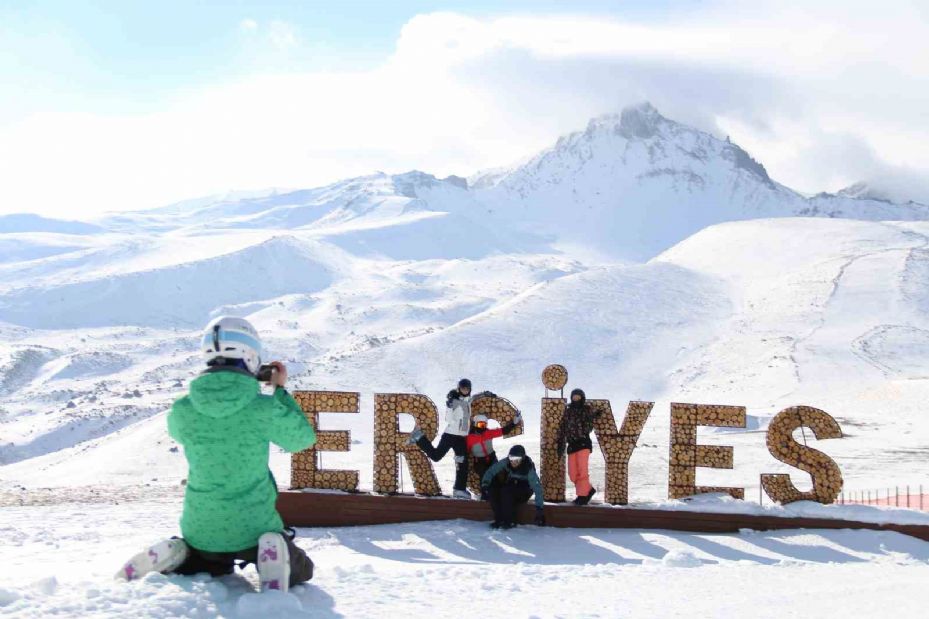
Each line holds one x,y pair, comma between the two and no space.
123,105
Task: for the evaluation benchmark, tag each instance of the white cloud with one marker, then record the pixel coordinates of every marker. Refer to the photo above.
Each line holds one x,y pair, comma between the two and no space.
283,35
461,93
248,25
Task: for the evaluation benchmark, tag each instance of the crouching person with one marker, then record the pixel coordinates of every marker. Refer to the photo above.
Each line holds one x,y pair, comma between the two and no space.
225,426
510,483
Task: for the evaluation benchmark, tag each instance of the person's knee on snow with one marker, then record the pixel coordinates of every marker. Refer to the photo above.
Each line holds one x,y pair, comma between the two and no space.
229,503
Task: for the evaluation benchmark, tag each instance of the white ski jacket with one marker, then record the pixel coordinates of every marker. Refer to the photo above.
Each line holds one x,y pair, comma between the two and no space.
458,415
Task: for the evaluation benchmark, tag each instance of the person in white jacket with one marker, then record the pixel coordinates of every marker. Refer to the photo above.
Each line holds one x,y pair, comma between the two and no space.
454,437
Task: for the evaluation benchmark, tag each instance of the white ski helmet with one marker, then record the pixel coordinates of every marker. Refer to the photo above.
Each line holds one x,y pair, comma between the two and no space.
232,338
477,418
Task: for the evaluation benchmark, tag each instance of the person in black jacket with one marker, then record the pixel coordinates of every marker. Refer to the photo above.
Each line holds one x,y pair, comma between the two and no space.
574,433
510,483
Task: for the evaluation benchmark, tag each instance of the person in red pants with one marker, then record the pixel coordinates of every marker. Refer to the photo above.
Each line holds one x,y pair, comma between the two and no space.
574,435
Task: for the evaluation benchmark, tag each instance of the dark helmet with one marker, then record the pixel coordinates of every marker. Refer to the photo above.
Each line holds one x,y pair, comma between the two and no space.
517,451
581,393
464,383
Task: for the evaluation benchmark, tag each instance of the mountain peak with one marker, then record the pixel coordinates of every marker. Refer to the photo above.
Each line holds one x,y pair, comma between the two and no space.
640,121
863,191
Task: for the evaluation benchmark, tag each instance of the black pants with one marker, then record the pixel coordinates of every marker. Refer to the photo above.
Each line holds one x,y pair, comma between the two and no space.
481,465
222,563
506,497
453,442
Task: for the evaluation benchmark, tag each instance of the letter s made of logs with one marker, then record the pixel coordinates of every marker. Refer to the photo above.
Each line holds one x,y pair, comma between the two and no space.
827,478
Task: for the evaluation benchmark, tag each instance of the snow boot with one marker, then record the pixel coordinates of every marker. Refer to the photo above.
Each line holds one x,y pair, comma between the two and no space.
273,562
584,500
507,525
496,524
462,494
165,556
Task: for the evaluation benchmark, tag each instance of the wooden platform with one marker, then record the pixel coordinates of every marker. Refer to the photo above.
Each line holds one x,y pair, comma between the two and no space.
337,509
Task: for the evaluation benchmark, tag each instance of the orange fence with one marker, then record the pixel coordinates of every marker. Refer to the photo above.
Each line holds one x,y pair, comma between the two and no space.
911,497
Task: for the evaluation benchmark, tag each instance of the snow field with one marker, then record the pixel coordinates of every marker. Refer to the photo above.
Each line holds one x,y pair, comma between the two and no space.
59,561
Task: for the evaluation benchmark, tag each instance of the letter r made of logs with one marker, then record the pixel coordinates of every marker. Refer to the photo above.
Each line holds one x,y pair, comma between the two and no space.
390,442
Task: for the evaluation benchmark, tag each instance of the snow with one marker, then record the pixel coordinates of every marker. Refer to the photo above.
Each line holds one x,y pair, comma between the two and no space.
653,260
60,560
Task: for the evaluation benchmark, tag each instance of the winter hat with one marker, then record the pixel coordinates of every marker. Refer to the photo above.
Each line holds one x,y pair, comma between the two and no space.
517,451
581,393
464,382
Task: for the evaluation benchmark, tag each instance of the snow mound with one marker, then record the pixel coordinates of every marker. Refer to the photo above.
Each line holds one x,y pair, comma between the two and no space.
27,222
84,365
680,558
174,296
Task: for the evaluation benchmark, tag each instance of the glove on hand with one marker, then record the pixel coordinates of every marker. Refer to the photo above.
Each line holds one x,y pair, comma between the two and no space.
539,517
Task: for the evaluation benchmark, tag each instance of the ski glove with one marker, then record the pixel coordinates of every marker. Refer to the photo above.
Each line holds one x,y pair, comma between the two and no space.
452,396
560,450
518,418
539,517
489,394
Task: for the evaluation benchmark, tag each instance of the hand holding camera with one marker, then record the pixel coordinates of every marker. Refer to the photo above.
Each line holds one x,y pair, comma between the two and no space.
274,373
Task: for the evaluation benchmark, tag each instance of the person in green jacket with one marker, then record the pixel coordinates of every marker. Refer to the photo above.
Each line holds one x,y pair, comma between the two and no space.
225,425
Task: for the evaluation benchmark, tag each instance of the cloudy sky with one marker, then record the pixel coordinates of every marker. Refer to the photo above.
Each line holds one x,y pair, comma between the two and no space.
128,105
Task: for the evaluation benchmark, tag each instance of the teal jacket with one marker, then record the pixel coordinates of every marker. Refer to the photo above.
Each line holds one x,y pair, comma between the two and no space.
225,426
525,472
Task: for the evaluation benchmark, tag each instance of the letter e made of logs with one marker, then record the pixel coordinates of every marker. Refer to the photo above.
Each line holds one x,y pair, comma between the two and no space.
304,467
685,455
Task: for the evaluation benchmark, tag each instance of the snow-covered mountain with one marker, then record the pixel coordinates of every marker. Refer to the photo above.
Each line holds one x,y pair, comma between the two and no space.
405,282
635,183
629,186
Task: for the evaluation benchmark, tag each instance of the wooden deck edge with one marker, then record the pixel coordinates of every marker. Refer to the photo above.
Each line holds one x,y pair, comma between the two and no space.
336,509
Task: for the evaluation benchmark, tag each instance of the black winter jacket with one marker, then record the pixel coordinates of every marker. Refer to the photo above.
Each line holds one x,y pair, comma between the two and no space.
576,426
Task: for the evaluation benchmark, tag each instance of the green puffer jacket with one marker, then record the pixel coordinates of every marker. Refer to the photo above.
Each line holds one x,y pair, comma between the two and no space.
225,425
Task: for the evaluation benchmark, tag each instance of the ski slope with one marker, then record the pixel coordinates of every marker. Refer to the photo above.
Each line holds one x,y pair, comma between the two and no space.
759,313
655,261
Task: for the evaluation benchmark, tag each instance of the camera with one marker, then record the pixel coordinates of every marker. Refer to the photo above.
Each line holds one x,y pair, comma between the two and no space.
264,373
